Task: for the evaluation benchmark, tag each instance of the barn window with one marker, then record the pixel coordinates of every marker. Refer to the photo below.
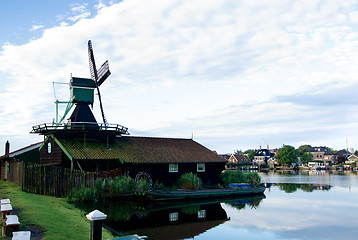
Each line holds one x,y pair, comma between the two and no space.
173,217
49,147
201,214
200,167
173,167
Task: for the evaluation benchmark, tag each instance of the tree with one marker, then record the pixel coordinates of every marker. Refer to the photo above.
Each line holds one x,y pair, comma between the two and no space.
341,159
237,152
286,155
306,157
251,153
304,148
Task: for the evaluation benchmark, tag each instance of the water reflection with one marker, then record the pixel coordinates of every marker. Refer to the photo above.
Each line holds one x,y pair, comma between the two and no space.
178,220
293,187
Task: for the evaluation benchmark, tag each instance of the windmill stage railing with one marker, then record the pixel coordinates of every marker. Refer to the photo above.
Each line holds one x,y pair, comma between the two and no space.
76,126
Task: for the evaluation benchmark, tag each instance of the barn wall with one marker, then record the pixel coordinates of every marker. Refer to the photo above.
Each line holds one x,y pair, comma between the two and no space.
160,172
53,157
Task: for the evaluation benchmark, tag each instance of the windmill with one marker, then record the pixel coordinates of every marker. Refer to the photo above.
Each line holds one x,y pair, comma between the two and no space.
98,76
82,96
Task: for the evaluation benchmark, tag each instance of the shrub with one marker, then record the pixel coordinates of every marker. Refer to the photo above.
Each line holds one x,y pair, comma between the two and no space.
124,184
143,185
189,181
253,178
158,186
230,176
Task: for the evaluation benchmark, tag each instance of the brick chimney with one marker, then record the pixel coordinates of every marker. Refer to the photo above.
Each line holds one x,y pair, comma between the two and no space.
7,148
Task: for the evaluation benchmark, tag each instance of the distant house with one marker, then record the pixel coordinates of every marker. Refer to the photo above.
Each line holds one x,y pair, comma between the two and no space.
323,154
262,156
352,159
239,158
157,159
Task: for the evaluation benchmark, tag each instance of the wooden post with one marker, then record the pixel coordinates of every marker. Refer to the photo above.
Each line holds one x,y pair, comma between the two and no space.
96,217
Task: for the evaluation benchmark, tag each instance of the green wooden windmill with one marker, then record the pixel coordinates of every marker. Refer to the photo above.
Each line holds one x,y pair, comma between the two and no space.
82,96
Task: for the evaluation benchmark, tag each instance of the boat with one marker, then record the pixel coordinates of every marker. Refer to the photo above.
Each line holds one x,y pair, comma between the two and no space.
234,190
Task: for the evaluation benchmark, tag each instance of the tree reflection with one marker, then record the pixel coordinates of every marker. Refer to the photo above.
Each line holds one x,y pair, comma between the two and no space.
293,187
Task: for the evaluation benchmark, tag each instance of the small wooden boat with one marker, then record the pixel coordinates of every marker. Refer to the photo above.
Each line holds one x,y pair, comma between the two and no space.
234,191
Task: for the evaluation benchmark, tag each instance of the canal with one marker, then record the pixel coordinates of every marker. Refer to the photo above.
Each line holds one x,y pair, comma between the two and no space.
296,205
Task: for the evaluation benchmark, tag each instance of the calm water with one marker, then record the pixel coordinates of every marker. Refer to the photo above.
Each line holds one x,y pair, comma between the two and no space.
311,205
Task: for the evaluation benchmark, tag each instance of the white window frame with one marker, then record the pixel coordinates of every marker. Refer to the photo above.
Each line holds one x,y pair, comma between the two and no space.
173,217
173,167
201,214
49,147
200,169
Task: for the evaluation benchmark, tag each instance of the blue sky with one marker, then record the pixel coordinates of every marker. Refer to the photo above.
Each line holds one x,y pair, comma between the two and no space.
234,74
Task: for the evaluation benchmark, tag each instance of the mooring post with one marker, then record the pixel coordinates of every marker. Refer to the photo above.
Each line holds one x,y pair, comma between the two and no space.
96,217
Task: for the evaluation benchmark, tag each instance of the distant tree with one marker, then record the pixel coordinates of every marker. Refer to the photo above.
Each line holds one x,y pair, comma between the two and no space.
332,150
340,159
306,157
251,153
287,155
237,152
356,152
303,149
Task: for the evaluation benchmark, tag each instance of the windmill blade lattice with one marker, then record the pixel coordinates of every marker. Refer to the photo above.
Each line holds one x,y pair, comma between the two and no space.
98,77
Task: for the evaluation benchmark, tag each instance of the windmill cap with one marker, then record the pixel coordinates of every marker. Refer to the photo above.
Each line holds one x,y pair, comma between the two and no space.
96,215
82,82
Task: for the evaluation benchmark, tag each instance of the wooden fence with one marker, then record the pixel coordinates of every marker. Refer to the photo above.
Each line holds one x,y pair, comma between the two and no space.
49,179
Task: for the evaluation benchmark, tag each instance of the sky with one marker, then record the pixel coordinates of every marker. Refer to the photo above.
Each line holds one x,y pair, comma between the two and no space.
234,75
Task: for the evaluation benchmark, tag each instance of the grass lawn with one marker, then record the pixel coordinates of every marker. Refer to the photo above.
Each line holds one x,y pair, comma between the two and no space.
57,218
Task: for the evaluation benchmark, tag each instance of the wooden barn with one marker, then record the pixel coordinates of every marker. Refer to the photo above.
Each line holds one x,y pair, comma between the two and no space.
157,159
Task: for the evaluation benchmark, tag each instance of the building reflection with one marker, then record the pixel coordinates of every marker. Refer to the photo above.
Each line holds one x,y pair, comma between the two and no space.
178,220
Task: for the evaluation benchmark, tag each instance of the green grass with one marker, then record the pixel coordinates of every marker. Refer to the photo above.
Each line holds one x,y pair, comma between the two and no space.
57,218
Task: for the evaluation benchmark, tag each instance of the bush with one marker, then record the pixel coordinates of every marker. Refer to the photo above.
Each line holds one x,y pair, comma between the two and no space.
231,176
83,194
143,185
253,178
189,181
124,184
158,186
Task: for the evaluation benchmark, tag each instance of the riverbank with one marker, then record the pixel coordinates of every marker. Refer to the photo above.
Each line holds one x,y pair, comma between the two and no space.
57,218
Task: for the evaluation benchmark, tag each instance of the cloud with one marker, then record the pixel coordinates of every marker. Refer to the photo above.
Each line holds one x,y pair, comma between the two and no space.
244,69
36,27
79,12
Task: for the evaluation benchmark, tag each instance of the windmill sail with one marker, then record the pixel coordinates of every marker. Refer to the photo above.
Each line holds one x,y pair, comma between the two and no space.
94,76
103,73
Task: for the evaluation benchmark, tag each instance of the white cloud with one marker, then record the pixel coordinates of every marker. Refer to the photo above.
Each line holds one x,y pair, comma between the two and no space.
36,27
215,67
79,12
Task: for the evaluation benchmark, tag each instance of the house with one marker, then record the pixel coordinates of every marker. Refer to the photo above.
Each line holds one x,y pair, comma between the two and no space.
157,159
323,154
351,159
239,158
262,156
